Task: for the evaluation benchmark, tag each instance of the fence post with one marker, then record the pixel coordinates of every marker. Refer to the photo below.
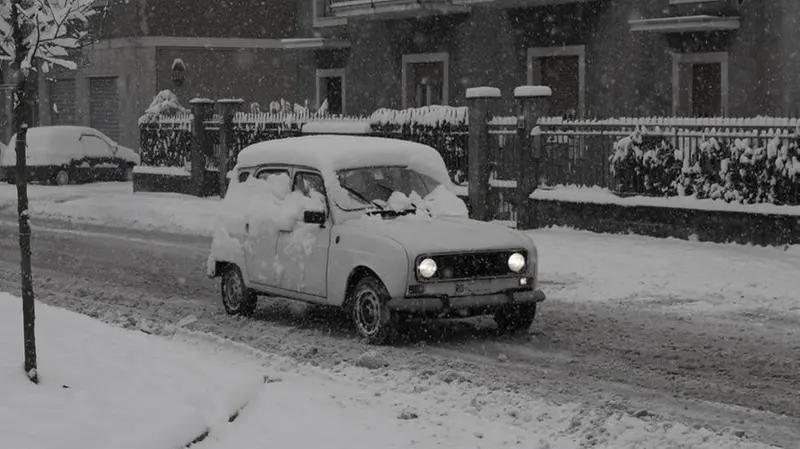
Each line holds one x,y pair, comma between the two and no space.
200,108
227,109
479,101
533,105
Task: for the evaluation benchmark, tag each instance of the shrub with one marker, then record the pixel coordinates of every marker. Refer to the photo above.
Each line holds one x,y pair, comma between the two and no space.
732,170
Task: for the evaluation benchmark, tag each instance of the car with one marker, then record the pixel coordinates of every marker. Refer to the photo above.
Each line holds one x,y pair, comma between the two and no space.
64,155
371,225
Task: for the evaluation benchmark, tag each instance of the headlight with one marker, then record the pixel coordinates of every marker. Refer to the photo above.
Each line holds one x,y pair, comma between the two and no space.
427,268
516,262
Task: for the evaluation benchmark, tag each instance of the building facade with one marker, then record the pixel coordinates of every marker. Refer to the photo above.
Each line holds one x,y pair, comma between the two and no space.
602,57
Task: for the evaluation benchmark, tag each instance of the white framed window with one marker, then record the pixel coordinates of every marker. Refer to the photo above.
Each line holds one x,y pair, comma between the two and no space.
563,69
700,84
322,16
331,86
426,79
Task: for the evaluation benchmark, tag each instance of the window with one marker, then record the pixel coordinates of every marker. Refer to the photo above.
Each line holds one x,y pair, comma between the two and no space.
269,172
425,79
244,176
331,90
94,146
308,184
563,69
700,84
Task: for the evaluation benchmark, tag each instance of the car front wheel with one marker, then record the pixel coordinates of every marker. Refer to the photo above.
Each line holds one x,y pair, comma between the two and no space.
515,317
369,307
236,297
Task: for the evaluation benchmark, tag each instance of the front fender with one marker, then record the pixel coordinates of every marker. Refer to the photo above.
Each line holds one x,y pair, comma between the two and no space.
351,249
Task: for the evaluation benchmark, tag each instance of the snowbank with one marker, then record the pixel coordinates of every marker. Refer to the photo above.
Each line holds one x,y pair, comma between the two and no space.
266,207
604,196
102,386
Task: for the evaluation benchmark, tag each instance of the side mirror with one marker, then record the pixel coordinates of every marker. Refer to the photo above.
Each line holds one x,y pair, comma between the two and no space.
316,217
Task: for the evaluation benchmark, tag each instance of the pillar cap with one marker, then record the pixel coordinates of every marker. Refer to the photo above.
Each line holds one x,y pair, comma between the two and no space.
201,101
483,92
533,91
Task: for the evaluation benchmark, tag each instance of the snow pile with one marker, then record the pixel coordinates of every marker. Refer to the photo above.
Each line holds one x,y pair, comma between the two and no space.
262,208
439,203
103,387
164,103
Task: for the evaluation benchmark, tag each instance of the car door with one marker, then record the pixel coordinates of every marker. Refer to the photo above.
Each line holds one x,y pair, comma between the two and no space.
303,252
98,162
260,245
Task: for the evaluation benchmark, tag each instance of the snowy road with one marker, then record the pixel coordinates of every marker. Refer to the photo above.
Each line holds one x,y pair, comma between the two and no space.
638,356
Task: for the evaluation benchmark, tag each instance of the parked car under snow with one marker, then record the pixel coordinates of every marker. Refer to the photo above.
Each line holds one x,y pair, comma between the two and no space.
69,154
371,225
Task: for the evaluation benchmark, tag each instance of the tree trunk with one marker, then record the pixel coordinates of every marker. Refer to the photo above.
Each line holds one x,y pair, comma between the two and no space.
21,129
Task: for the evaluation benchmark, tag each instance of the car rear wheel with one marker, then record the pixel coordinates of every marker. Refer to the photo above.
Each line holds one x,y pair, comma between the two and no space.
369,308
515,317
62,178
236,297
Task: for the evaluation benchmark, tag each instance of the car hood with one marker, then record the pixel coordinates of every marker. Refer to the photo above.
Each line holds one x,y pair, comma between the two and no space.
443,234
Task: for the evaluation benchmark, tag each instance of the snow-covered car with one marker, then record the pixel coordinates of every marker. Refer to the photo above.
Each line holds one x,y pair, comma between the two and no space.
69,154
371,225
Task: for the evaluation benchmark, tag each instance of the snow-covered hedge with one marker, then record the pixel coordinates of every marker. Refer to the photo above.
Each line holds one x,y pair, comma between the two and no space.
764,169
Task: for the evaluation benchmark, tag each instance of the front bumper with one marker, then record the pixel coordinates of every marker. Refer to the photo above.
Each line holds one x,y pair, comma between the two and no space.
468,303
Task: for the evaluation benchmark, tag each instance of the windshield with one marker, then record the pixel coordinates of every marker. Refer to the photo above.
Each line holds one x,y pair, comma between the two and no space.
366,185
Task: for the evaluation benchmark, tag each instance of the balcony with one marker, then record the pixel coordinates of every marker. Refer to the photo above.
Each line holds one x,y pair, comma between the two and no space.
394,9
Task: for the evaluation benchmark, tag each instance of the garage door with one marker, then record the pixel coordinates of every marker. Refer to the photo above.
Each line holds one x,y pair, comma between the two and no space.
62,101
104,106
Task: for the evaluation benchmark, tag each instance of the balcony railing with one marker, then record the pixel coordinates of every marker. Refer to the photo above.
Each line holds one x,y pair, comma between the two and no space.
394,8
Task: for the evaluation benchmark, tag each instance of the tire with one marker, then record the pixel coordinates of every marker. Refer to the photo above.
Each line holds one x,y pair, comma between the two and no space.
237,299
515,317
61,178
369,310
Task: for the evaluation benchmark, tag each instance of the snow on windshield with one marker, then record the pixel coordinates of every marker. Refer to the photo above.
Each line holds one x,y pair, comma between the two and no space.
395,188
265,205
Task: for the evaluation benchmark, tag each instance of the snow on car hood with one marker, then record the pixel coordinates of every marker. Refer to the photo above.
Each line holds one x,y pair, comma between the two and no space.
442,234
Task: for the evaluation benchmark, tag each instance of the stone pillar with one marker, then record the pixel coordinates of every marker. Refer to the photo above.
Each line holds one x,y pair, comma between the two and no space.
200,110
533,103
227,109
480,101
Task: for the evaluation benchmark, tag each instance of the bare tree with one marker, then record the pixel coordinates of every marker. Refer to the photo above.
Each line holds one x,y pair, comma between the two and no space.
34,35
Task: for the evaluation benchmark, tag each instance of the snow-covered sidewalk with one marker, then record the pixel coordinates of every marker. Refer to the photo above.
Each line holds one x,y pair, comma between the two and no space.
105,387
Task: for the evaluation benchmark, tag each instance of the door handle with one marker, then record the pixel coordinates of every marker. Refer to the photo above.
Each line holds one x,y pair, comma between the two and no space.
247,227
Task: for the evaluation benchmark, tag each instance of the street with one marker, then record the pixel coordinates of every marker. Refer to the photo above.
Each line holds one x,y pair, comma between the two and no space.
740,371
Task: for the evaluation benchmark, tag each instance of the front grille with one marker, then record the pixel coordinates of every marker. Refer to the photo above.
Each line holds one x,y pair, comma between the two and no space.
471,265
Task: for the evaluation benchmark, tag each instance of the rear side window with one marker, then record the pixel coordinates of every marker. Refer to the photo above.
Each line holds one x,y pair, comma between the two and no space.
267,172
243,176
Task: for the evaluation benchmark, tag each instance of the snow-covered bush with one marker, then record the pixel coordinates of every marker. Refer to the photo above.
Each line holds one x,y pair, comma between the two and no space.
644,164
165,103
733,169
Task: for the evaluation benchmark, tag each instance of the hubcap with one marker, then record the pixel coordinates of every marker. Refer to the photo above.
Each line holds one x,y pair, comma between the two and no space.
368,312
233,292
62,178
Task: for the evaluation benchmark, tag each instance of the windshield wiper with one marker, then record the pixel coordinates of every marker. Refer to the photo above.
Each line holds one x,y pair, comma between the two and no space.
361,197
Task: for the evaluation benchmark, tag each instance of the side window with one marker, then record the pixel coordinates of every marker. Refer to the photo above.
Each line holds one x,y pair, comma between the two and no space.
244,176
95,147
307,183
